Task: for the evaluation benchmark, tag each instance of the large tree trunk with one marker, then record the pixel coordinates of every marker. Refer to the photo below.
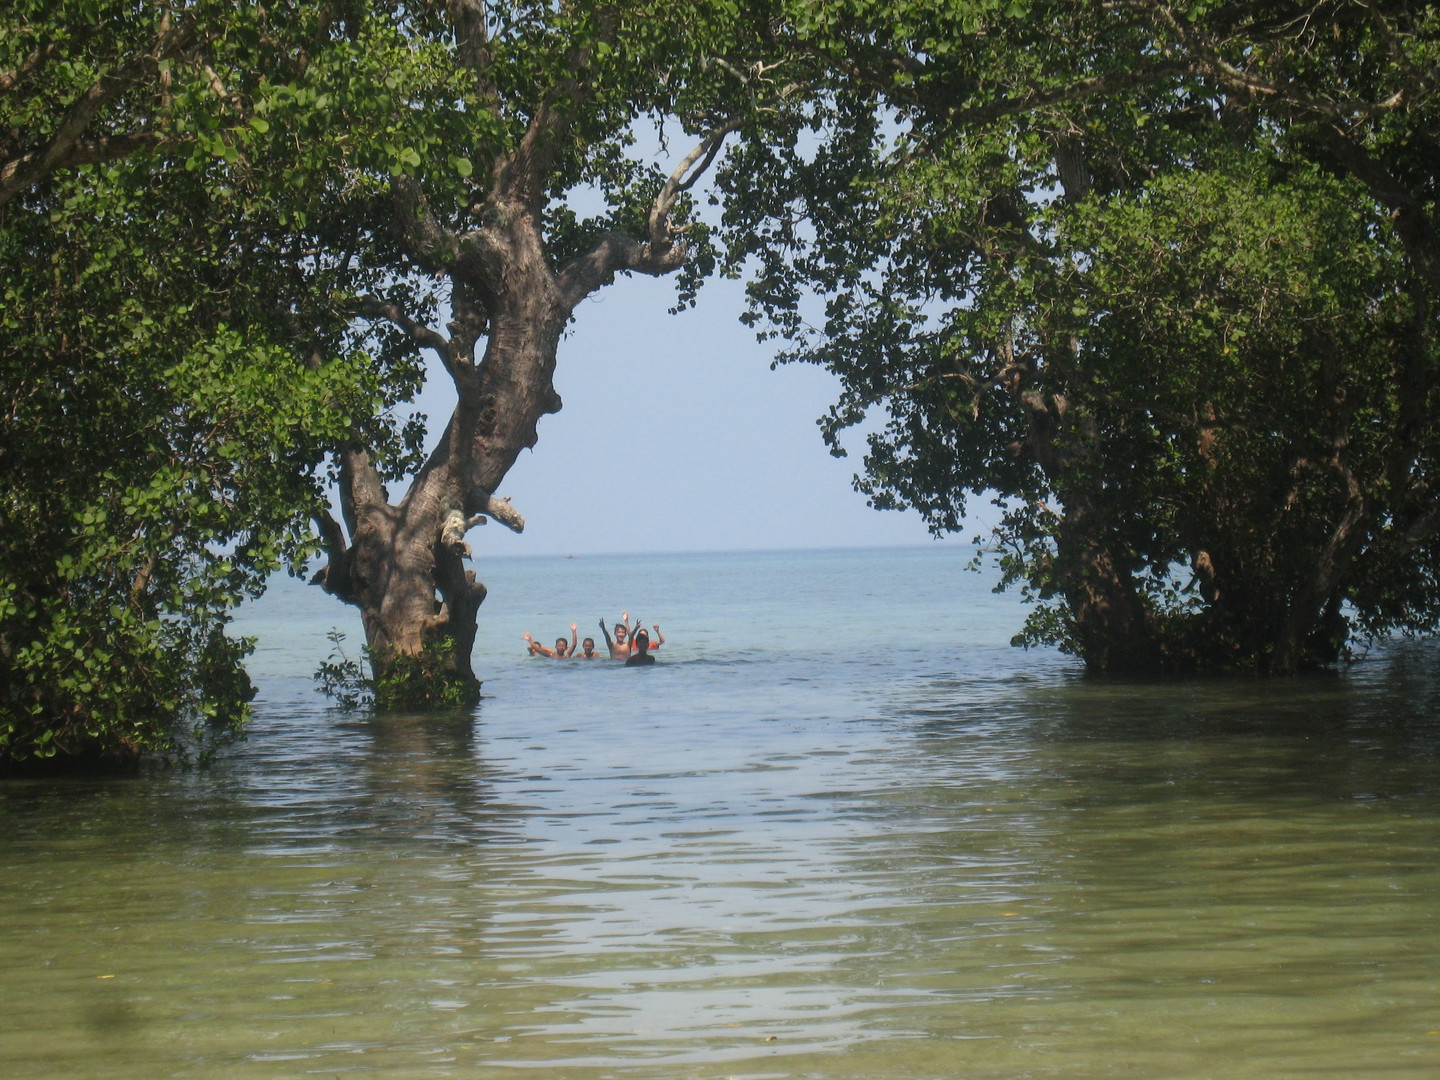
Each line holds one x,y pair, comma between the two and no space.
405,567
1307,634
1109,624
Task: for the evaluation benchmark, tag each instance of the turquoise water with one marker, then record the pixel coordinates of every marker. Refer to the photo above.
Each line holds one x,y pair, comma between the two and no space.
842,830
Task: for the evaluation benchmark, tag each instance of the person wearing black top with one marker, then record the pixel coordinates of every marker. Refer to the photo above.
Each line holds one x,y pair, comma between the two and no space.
641,655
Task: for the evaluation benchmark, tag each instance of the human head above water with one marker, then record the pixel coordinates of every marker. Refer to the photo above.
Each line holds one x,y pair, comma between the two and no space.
561,645
619,632
642,640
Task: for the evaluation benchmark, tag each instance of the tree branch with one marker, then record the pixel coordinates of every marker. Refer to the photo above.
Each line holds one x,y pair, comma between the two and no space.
481,502
1412,223
374,308
332,537
21,173
360,486
1207,60
469,18
1420,530
1080,90
426,241
32,63
683,178
616,252
659,254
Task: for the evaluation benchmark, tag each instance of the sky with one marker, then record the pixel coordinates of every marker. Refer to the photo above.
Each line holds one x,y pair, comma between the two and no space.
676,436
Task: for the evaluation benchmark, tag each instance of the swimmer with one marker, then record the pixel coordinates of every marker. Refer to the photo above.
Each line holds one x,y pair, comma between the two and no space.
562,650
620,647
641,656
587,651
622,628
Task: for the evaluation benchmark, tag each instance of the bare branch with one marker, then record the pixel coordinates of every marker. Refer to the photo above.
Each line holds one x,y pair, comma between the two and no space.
684,176
659,253
615,252
373,307
500,509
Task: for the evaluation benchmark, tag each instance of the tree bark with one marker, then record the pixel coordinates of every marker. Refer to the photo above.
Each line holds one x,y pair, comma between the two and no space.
405,564
1109,624
1323,591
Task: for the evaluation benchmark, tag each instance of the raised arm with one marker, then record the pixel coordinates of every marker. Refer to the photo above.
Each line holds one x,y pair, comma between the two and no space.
574,639
658,639
617,652
536,649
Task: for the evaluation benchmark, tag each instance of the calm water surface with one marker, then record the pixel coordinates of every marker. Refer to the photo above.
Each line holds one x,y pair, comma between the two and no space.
841,831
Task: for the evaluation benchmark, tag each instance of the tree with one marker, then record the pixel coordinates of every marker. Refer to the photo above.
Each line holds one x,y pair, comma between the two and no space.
477,124
1157,275
171,382
233,230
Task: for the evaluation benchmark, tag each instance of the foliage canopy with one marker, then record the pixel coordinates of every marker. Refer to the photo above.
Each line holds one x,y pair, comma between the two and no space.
1158,277
174,373
226,233
1161,277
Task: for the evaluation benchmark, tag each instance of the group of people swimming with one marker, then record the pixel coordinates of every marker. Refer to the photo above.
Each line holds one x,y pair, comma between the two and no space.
635,647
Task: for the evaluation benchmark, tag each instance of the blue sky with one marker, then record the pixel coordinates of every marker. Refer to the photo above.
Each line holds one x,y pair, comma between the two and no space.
677,436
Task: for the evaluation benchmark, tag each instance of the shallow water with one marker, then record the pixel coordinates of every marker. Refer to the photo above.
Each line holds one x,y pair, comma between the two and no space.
842,830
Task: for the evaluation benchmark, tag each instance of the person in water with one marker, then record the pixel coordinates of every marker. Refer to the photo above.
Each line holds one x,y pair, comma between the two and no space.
587,650
562,650
623,647
641,655
620,647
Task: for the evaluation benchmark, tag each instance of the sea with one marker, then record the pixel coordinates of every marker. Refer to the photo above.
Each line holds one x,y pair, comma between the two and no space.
841,829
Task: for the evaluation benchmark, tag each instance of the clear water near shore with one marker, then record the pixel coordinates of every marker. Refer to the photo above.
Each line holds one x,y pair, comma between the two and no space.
842,830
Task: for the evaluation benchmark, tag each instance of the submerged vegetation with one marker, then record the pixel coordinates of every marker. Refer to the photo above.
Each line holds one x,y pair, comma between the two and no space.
421,683
1159,277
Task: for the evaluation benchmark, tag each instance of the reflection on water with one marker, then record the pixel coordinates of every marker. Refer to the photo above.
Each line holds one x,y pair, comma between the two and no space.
980,864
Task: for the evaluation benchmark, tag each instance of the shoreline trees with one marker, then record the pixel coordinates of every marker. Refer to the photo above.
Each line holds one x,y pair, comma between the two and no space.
230,265
1163,276
171,382
1160,276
